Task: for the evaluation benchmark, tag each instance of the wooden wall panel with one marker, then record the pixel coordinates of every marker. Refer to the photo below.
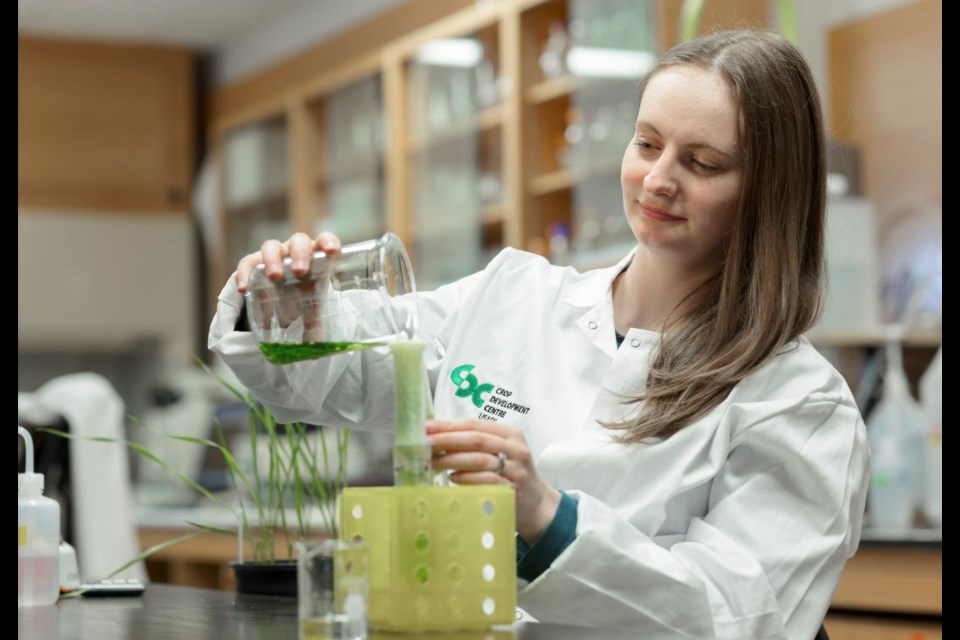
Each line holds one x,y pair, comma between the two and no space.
104,126
853,628
886,77
892,580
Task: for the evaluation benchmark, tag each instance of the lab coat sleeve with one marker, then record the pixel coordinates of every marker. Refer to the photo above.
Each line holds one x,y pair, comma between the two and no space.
346,390
784,514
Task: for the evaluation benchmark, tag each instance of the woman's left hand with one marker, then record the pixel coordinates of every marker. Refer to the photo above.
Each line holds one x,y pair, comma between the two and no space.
484,452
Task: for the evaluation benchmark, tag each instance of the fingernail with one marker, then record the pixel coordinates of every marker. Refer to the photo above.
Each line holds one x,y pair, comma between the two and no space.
300,265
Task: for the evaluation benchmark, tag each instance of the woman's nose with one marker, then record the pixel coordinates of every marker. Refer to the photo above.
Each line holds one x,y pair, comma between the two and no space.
660,179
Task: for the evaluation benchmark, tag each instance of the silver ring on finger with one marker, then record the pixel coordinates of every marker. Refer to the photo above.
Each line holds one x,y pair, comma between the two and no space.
501,462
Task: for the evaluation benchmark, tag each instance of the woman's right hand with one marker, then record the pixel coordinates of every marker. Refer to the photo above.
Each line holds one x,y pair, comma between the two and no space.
299,248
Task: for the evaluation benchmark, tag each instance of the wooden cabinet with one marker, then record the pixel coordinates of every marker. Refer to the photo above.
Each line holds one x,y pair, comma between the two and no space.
104,127
203,561
859,356
479,136
842,627
892,579
446,164
344,138
579,69
255,189
889,593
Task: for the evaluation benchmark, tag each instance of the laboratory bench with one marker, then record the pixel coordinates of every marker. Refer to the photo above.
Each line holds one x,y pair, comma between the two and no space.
168,611
202,561
890,590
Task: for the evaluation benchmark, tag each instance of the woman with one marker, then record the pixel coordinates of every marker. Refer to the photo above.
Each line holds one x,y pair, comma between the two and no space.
684,460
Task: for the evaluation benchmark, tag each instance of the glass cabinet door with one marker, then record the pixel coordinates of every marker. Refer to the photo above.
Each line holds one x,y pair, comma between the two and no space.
455,181
346,139
611,47
581,98
255,187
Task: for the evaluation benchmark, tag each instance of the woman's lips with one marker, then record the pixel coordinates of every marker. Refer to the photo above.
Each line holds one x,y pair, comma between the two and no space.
658,214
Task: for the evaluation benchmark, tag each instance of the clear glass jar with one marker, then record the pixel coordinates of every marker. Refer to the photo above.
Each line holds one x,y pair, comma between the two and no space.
360,297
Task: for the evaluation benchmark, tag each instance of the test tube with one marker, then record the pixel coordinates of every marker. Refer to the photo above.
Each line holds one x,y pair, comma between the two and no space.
412,455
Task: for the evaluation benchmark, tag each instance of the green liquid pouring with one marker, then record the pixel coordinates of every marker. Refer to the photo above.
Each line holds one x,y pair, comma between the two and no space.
285,353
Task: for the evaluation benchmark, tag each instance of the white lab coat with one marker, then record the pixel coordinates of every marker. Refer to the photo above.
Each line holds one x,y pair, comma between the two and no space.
736,527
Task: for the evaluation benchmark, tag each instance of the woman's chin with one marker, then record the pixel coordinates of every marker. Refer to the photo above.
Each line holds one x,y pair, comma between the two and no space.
656,239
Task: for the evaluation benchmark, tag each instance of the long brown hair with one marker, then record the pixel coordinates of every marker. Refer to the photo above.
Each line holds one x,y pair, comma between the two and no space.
768,288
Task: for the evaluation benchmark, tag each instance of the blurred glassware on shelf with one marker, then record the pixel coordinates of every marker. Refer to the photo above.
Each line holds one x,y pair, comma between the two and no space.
931,399
911,255
553,59
853,296
895,430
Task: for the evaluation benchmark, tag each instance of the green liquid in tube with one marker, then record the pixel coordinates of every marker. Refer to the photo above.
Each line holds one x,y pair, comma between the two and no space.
285,353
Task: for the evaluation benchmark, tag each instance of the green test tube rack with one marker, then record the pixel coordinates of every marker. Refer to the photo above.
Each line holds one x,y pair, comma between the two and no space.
441,558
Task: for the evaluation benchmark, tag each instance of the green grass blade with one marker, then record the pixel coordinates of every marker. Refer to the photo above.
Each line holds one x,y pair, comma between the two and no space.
139,448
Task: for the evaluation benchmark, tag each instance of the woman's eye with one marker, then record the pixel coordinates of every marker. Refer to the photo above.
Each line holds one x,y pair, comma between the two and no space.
705,166
643,145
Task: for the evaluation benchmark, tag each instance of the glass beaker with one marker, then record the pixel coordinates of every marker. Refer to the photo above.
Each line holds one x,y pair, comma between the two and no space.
359,297
333,587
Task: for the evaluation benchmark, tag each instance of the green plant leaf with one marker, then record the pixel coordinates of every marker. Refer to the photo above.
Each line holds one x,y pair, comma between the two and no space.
146,553
150,456
209,528
788,21
243,397
227,456
293,467
690,12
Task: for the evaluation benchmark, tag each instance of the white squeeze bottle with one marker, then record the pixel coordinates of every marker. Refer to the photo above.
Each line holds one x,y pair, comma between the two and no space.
895,431
38,536
931,399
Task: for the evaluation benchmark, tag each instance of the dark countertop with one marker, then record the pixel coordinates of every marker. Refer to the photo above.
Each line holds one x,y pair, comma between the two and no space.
185,613
917,538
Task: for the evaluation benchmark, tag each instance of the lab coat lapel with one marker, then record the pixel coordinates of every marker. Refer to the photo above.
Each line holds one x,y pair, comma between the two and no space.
594,295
